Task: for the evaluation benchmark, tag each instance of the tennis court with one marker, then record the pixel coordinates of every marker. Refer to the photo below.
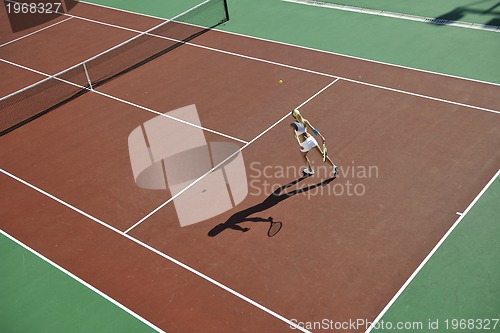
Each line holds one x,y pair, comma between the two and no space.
104,107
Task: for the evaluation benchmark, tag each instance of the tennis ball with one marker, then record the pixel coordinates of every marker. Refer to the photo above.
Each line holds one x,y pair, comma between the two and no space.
280,81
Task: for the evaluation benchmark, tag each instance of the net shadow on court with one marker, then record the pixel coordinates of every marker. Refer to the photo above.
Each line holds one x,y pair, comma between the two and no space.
46,95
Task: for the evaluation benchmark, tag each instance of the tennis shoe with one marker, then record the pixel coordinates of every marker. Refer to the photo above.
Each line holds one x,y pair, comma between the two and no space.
335,171
308,172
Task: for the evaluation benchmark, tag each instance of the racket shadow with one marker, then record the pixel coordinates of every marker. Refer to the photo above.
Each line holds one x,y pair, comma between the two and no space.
279,195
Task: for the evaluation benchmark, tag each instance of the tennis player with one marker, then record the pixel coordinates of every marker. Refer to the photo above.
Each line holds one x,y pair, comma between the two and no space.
307,142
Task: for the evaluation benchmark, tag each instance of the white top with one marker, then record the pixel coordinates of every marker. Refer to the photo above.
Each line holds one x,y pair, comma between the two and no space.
301,128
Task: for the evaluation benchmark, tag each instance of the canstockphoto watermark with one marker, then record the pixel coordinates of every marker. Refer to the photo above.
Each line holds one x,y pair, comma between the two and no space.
351,181
357,324
427,324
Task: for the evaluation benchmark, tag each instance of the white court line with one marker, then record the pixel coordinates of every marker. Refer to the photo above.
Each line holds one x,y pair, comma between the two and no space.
400,16
296,68
122,101
161,254
139,34
170,117
34,32
436,247
70,16
284,65
347,79
424,96
192,270
274,63
86,284
358,82
225,160
308,48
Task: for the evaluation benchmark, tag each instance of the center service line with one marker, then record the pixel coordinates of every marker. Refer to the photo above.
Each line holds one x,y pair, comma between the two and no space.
225,160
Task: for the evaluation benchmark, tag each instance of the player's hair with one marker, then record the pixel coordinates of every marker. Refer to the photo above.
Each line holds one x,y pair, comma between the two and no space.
296,114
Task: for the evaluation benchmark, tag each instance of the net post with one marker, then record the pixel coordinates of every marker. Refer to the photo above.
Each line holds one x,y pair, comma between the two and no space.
88,77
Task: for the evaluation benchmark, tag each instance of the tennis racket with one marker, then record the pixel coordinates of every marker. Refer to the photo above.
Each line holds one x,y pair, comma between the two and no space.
325,153
274,228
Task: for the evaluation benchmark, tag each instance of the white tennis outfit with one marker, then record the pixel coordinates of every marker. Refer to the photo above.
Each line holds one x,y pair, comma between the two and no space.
308,143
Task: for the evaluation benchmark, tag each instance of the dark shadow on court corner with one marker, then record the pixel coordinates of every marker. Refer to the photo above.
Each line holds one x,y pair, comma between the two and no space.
458,13
273,199
21,16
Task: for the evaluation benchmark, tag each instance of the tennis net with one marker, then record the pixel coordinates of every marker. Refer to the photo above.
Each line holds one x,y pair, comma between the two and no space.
44,96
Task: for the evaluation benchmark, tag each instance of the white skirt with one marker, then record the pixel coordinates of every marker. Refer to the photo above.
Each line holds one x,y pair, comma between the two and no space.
308,144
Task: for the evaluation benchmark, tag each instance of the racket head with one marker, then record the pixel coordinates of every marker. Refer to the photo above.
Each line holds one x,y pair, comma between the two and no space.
274,228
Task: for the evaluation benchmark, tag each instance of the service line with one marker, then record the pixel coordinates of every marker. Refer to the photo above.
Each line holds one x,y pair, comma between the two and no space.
34,32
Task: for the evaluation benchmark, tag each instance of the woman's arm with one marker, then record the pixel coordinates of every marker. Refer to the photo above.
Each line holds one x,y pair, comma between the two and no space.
315,131
297,138
294,128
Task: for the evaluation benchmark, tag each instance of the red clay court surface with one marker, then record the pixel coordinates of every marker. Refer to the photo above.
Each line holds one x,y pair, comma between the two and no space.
336,255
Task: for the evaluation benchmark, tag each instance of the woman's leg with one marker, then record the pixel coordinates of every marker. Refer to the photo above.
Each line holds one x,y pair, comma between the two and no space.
335,168
308,163
327,157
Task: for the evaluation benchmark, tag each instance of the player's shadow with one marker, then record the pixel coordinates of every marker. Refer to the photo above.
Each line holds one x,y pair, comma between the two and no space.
275,198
